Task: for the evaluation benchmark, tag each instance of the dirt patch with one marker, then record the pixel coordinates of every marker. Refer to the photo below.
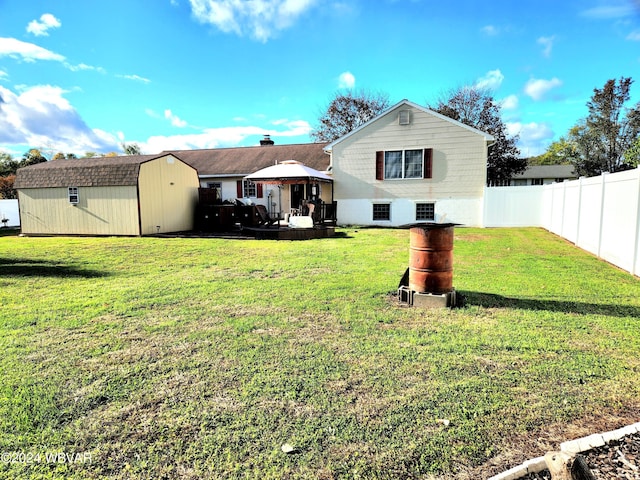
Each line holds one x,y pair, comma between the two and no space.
536,444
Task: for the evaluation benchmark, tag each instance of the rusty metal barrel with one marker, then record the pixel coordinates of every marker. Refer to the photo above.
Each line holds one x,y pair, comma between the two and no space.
431,257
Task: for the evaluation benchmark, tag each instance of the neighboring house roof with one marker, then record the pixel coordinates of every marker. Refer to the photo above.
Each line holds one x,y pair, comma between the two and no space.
241,161
488,138
83,172
547,171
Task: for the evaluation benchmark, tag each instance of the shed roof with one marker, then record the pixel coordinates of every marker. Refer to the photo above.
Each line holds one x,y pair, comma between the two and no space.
241,161
83,172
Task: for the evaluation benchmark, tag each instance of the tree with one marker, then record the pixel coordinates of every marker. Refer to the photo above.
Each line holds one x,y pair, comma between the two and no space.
560,152
346,112
632,155
130,148
476,108
609,131
6,187
8,166
32,157
62,156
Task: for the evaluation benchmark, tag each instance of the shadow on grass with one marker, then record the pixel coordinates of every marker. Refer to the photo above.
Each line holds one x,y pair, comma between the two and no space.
492,300
20,267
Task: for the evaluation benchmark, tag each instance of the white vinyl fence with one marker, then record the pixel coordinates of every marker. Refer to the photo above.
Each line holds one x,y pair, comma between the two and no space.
599,214
9,211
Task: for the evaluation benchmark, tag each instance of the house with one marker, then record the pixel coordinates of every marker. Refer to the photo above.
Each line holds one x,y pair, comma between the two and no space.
132,195
223,170
407,165
543,175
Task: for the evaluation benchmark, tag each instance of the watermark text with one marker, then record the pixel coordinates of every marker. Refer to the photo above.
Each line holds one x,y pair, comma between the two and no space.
30,458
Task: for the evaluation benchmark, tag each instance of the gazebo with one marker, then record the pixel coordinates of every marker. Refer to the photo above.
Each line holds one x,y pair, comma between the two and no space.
292,172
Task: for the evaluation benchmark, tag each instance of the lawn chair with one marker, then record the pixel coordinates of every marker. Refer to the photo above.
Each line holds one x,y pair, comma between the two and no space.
265,219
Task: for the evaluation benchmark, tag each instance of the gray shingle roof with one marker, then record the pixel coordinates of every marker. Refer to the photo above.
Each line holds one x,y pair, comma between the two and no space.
83,172
111,171
242,161
548,171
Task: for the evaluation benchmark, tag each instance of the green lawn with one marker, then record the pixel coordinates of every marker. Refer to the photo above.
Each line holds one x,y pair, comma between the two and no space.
199,358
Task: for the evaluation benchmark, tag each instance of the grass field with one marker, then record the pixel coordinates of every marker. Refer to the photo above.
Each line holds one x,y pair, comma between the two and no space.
200,358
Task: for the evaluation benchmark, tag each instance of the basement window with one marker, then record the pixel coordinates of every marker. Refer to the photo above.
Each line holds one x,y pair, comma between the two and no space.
381,211
74,197
425,211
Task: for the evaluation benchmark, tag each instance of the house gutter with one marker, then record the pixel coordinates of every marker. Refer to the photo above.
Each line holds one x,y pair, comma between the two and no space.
226,175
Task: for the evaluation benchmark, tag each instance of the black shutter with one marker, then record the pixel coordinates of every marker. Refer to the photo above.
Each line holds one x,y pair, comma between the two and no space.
239,188
379,165
428,163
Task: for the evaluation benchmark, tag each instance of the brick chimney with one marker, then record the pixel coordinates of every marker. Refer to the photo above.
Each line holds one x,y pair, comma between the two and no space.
266,141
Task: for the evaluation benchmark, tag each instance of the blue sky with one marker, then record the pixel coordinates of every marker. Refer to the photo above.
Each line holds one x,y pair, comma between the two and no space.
78,75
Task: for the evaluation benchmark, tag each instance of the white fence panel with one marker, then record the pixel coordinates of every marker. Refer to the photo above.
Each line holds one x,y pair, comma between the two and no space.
9,210
618,231
513,206
571,222
557,208
590,214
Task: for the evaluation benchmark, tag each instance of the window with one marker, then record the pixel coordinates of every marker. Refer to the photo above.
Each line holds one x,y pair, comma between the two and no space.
399,164
74,197
248,189
381,211
217,190
425,211
536,181
403,164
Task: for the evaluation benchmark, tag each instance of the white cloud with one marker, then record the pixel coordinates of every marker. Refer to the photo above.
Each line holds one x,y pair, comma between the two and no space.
537,89
534,137
135,78
84,67
225,136
261,19
489,30
29,52
346,80
492,80
634,36
611,10
40,116
510,103
3,74
175,120
547,44
39,28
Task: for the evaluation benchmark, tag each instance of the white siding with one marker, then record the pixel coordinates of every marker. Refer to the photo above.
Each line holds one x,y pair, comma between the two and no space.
459,170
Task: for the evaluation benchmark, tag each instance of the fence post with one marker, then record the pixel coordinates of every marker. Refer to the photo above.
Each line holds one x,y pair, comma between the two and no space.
577,242
636,247
602,193
564,209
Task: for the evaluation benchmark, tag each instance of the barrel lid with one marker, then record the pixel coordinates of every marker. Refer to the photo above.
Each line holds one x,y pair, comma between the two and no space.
429,225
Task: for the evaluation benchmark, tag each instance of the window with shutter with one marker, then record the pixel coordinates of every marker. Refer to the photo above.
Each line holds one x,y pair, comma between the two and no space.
404,164
248,189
